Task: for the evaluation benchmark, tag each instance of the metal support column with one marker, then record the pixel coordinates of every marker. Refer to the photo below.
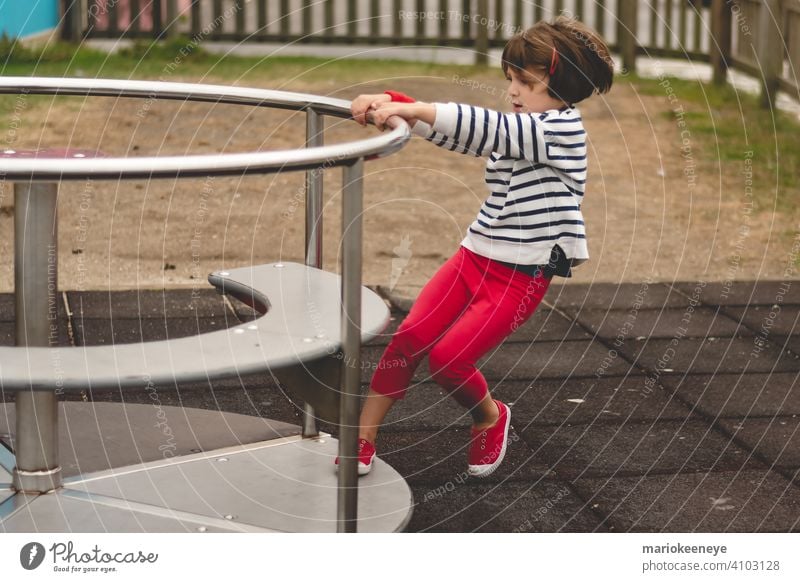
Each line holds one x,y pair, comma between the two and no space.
36,294
315,127
352,202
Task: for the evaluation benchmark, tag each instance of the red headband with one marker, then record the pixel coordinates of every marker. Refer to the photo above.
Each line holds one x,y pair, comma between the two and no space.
553,61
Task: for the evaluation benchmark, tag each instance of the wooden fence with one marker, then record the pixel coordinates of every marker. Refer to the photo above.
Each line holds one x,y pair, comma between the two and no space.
664,26
740,33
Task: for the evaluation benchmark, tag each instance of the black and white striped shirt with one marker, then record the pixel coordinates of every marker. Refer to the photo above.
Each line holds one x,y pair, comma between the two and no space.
535,174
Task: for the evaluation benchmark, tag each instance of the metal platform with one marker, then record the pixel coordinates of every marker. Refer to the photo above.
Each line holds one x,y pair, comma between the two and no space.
98,436
260,476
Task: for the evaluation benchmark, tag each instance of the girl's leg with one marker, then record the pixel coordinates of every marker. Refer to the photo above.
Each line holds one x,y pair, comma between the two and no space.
485,413
375,409
439,304
504,300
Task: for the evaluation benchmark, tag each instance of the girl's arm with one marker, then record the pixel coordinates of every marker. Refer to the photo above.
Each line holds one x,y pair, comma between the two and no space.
411,112
364,104
547,138
420,118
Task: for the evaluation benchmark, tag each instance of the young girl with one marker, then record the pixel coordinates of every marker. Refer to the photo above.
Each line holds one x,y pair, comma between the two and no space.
529,229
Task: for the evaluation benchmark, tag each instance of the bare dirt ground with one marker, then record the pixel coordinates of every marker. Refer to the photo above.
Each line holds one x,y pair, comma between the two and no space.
645,217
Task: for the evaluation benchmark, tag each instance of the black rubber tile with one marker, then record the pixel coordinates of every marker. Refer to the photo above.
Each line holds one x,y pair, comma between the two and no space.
622,296
8,333
7,307
156,304
585,400
92,332
739,395
537,360
634,448
383,338
509,507
712,355
548,325
436,457
787,344
769,320
426,406
243,312
743,292
746,501
251,395
8,322
776,439
656,323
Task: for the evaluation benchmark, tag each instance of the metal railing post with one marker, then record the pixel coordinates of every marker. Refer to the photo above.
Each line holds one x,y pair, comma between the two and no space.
315,128
352,202
36,295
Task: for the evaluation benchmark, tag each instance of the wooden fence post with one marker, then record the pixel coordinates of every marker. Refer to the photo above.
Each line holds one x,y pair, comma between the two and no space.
71,27
158,22
720,49
482,40
770,49
626,34
172,19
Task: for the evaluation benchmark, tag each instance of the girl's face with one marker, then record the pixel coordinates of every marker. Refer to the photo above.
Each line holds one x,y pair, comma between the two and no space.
527,91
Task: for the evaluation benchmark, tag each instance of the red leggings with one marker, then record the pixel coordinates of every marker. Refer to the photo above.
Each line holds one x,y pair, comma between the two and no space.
468,308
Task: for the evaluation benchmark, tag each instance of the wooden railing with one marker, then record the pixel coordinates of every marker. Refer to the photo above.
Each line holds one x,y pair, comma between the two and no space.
759,36
664,26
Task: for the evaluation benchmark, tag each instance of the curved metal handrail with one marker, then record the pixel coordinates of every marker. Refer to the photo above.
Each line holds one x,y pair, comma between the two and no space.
37,451
57,169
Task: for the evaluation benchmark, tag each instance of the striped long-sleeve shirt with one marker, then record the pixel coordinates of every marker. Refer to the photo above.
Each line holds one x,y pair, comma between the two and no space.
535,173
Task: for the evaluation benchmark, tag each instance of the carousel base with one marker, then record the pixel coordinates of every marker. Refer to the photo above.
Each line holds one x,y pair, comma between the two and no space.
216,472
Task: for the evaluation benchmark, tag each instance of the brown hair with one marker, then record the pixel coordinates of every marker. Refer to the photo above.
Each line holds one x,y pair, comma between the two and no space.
580,65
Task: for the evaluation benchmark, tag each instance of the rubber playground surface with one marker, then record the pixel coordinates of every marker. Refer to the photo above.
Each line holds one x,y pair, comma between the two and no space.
635,407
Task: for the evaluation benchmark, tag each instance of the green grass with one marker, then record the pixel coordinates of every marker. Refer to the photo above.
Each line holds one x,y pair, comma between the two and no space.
725,123
154,60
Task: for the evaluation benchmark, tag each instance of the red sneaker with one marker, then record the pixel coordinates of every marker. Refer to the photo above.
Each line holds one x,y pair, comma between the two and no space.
366,454
488,446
